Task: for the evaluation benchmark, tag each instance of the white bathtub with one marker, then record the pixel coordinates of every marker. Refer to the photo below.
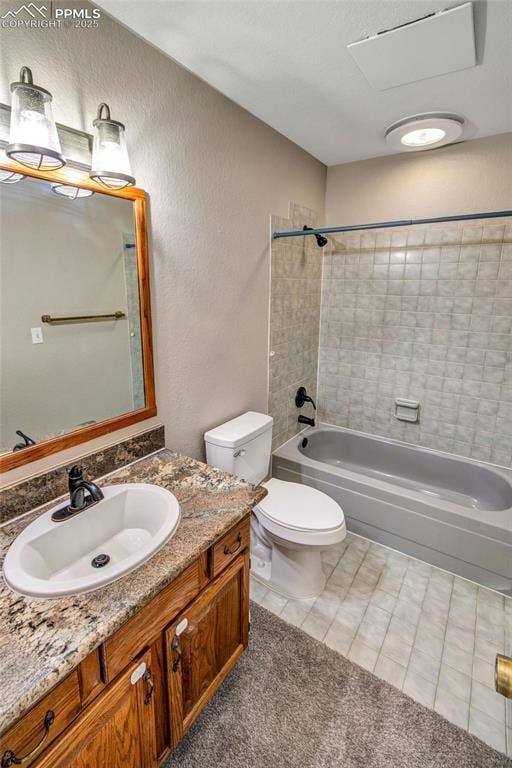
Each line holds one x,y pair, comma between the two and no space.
453,512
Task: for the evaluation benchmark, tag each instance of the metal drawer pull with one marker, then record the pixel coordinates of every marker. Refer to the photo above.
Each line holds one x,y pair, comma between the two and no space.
9,758
228,551
177,652
149,686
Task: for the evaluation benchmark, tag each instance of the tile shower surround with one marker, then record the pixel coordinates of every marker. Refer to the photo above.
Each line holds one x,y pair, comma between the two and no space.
424,313
294,321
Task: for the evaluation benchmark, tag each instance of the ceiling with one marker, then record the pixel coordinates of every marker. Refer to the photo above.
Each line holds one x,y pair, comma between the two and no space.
286,61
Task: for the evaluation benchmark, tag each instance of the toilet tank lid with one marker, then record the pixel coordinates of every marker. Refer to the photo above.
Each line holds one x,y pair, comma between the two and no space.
240,430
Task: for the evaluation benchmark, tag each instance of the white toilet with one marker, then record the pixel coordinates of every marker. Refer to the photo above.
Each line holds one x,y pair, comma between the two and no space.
293,523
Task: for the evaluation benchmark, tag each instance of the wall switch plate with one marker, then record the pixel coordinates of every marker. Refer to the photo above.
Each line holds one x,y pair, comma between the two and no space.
37,335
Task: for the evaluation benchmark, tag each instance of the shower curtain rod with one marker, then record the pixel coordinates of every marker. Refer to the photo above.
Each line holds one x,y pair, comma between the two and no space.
384,224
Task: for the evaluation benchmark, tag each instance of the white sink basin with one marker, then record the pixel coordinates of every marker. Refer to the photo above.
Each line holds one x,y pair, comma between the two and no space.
129,525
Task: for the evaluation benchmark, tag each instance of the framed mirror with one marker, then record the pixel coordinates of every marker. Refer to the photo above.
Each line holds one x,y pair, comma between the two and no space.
76,358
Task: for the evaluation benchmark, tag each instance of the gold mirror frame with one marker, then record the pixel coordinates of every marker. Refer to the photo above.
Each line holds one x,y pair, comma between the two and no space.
81,179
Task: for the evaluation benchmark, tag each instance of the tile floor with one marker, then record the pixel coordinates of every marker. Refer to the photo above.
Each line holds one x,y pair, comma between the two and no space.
429,633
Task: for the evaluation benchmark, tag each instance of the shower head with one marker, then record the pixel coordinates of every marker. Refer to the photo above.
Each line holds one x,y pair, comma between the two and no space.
320,239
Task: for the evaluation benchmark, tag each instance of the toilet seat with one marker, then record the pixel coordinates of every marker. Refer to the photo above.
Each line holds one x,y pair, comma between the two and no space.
300,514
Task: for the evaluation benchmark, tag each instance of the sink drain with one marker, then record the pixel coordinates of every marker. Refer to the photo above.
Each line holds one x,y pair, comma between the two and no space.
100,560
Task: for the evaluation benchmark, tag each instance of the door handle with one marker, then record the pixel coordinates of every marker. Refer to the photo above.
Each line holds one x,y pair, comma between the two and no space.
10,758
176,652
149,686
503,675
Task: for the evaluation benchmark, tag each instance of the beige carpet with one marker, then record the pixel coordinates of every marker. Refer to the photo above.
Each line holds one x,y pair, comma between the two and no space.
291,702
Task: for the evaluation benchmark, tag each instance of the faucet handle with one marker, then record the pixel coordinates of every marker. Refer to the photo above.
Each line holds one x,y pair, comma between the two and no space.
74,477
301,397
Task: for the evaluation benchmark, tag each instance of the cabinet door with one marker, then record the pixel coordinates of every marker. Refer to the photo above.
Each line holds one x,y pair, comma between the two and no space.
117,729
205,642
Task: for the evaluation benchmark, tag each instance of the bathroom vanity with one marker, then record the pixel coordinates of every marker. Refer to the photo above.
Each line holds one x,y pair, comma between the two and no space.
115,677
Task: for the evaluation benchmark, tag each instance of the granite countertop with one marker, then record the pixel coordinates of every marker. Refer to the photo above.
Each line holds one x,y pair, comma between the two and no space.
42,640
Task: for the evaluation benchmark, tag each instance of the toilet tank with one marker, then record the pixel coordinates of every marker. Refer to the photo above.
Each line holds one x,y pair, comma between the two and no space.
241,446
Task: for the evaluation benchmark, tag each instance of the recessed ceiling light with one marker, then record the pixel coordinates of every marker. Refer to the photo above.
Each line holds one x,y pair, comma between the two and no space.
427,131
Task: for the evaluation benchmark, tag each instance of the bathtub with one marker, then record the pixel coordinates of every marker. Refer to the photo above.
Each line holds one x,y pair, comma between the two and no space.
452,512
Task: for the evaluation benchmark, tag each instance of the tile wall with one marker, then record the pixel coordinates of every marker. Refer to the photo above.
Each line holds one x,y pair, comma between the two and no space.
423,313
294,321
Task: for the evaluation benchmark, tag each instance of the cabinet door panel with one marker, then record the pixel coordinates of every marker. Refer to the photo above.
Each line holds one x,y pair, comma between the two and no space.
116,730
205,642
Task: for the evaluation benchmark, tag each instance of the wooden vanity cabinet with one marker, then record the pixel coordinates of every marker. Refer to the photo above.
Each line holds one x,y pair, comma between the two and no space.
129,703
116,731
204,644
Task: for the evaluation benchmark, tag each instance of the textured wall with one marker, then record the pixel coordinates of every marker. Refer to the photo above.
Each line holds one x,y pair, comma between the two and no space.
470,177
214,173
423,313
294,321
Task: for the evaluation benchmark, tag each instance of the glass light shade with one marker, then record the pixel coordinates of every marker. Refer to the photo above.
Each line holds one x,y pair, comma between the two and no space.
33,137
110,162
72,193
423,137
10,177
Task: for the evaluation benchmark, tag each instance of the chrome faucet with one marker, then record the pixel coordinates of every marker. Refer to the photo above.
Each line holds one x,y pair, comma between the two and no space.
82,494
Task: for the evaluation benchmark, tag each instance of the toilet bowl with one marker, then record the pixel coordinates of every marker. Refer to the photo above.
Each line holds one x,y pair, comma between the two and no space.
290,528
292,525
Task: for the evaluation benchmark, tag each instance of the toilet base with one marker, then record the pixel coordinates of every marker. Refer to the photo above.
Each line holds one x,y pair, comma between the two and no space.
301,585
292,571
297,573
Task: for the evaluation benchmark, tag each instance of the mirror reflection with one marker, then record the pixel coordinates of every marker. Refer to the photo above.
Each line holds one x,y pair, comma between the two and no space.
70,338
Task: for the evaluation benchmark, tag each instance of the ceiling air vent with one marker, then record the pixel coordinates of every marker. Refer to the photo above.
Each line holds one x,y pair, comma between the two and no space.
434,45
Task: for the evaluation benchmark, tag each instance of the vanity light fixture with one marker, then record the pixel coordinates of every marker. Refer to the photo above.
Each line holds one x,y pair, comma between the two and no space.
72,193
33,137
425,131
110,162
10,177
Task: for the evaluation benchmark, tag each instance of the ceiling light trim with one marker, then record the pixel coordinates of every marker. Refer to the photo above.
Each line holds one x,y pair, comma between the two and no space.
452,126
